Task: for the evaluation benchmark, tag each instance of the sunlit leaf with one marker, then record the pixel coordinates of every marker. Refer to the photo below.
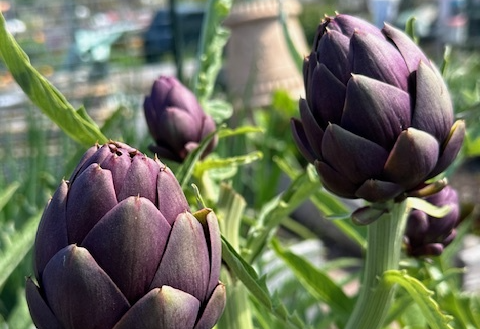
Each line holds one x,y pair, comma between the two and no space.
317,282
22,242
245,273
278,208
257,286
428,208
410,28
212,41
7,194
227,132
236,161
44,95
421,295
185,171
219,109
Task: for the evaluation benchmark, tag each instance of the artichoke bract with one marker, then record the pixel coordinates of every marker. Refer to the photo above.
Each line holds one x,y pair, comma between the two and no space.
377,120
117,247
428,236
176,120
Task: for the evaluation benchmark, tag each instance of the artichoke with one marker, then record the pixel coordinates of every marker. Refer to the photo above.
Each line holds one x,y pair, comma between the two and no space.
428,236
377,120
118,248
176,120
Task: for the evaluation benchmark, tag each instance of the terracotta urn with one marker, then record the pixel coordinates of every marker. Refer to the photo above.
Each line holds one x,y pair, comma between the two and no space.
258,60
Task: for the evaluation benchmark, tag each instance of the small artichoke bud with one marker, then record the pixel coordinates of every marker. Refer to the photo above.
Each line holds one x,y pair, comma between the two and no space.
117,247
428,236
176,120
377,120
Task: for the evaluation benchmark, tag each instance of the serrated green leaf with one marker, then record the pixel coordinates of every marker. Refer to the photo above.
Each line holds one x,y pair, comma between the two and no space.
288,165
219,109
257,286
421,295
317,282
22,242
330,206
227,132
459,307
474,309
44,95
212,41
240,160
278,208
7,194
278,317
245,273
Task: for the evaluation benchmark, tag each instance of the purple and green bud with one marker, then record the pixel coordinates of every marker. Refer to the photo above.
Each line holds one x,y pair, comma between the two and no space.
428,236
117,247
176,121
377,120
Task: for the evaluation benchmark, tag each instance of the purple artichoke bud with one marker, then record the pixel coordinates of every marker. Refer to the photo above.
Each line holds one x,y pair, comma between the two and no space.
428,236
377,120
176,120
118,248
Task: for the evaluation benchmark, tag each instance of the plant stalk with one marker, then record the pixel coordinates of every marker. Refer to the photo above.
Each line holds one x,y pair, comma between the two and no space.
237,313
383,253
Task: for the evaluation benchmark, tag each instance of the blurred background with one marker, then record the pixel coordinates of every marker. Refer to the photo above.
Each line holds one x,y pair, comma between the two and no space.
104,55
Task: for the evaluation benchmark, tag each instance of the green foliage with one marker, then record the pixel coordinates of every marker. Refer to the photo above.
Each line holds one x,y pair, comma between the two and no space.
461,73
44,95
7,194
318,283
274,211
21,243
311,15
253,181
256,286
421,295
213,39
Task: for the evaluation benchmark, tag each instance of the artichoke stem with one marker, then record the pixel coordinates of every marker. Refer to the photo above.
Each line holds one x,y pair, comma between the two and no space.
237,313
383,253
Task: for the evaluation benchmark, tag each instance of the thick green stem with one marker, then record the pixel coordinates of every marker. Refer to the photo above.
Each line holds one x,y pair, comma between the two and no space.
383,253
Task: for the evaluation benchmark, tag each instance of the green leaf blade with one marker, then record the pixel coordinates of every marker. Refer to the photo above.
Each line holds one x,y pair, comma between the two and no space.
22,242
317,282
44,95
422,296
7,194
257,287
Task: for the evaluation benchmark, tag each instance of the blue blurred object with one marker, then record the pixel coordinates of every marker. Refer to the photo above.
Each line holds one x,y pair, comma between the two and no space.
158,39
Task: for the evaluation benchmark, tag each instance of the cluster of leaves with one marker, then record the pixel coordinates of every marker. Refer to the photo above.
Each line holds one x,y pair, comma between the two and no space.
242,182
